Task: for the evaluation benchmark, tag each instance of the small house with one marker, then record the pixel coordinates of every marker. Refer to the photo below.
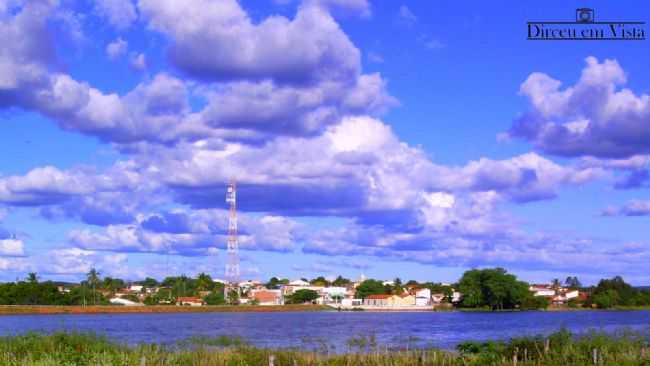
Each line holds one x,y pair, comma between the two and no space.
267,297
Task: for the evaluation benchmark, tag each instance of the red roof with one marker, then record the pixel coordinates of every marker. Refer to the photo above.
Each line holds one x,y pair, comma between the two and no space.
266,296
378,297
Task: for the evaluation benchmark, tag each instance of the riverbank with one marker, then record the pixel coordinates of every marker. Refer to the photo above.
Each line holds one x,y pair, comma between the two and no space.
113,309
560,348
109,309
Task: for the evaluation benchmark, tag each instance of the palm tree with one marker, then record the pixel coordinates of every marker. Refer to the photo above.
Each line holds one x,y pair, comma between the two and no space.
556,283
93,280
397,286
32,277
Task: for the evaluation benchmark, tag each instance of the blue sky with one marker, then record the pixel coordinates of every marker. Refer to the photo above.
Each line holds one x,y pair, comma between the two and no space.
414,139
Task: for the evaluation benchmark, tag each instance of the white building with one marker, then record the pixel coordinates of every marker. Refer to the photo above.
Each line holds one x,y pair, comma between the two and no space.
456,297
299,283
572,294
438,298
136,288
333,294
351,302
289,289
267,297
423,297
542,290
125,302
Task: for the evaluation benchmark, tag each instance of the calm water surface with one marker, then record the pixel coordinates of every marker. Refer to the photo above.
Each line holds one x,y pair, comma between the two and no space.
312,330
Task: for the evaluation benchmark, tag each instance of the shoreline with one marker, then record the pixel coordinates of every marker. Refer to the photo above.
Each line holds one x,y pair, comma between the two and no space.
157,309
162,309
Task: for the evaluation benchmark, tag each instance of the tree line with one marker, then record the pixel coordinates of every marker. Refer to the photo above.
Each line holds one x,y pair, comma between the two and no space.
490,288
496,289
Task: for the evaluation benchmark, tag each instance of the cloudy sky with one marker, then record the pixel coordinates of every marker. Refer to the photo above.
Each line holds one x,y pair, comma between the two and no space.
414,139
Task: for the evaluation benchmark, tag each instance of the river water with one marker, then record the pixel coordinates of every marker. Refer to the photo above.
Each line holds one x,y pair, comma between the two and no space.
315,330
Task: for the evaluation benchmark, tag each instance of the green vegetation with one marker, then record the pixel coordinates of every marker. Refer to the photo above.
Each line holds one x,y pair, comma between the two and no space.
616,292
320,281
33,292
341,282
370,287
563,348
482,289
560,348
215,298
219,341
96,291
495,288
572,282
183,286
275,283
302,297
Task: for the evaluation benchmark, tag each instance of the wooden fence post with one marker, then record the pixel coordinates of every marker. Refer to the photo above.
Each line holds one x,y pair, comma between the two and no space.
547,345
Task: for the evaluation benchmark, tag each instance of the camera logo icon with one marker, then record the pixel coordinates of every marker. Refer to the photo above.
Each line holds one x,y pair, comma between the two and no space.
584,15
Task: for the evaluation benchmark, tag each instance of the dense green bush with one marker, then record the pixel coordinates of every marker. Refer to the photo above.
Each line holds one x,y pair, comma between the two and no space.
215,298
493,287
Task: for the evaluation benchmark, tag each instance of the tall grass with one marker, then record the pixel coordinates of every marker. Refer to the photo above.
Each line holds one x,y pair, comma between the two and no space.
561,348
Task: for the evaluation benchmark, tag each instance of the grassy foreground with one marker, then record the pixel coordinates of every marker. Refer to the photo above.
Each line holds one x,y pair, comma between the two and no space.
560,348
110,309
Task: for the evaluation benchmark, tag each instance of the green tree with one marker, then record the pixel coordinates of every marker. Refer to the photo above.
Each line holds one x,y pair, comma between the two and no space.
149,282
204,282
613,292
233,297
93,280
397,286
151,300
32,277
412,283
492,287
370,287
273,284
572,282
303,296
113,284
471,286
532,302
320,281
215,298
341,282
606,299
556,284
180,286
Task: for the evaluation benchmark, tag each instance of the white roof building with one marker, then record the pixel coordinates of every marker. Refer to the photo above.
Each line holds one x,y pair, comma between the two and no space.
298,283
125,302
136,288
